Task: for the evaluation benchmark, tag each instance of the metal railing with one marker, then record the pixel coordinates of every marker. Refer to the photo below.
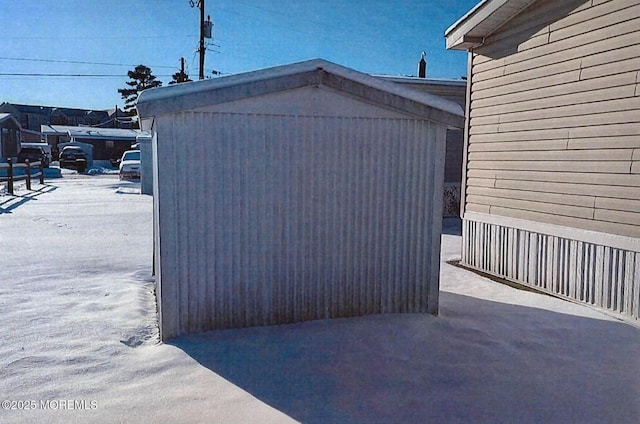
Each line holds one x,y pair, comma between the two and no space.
28,175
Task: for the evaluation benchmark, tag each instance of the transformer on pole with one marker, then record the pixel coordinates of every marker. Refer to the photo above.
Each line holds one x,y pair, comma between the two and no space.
205,32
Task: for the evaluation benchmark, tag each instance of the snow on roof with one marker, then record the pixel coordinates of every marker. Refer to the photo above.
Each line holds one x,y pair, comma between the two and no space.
454,82
188,96
91,132
6,116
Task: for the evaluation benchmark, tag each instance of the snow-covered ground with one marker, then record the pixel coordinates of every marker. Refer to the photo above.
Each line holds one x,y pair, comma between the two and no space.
79,339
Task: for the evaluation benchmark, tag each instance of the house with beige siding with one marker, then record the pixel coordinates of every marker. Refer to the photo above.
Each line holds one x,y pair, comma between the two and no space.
551,176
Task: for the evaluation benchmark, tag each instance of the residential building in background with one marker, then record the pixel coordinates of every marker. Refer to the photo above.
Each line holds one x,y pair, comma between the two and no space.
107,144
32,117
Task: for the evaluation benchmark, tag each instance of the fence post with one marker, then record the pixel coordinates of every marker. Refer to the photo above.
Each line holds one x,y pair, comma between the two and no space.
28,174
10,176
41,167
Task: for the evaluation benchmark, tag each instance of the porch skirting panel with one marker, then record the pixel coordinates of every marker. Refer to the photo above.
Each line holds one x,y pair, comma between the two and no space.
599,271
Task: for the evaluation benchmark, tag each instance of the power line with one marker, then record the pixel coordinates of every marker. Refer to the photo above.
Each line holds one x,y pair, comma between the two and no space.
15,74
99,37
77,62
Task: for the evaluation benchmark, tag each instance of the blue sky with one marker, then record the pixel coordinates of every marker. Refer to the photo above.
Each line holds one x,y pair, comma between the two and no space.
102,40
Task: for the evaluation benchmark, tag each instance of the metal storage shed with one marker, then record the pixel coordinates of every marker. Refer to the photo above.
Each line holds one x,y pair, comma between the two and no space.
9,136
305,191
146,163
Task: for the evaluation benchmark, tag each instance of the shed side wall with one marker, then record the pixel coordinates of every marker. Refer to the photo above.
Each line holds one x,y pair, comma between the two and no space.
277,219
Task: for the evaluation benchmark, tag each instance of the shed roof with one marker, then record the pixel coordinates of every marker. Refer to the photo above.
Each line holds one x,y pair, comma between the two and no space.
316,72
482,21
7,116
91,132
48,110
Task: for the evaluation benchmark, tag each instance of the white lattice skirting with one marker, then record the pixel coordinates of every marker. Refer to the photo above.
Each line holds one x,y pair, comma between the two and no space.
598,269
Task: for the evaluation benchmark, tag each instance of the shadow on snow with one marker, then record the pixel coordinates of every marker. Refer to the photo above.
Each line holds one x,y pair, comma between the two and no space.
479,361
14,201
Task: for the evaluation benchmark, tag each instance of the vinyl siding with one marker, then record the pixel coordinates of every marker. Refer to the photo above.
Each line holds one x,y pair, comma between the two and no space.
554,130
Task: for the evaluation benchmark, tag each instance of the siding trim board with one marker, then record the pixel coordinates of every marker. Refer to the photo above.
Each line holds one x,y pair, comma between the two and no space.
560,231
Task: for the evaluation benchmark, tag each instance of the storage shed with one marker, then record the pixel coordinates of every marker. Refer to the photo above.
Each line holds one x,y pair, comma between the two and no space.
552,147
108,144
9,137
305,191
146,163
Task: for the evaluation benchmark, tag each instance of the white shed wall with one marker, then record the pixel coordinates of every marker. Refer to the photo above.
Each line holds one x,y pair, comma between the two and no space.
265,219
146,164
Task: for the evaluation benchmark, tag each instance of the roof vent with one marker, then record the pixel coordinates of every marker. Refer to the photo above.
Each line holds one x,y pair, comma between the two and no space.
422,66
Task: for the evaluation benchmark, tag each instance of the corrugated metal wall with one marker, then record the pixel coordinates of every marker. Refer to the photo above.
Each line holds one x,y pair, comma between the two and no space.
599,275
267,219
146,164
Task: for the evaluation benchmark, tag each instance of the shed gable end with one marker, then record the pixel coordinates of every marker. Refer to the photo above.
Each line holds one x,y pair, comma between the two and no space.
306,101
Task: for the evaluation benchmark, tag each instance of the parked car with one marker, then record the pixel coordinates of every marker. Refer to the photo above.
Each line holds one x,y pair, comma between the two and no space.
42,145
34,154
73,157
130,165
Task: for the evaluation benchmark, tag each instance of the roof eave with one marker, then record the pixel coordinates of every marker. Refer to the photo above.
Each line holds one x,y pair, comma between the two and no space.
484,19
311,73
464,42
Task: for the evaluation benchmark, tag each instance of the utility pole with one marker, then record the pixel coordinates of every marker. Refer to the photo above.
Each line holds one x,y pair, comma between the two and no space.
201,48
205,32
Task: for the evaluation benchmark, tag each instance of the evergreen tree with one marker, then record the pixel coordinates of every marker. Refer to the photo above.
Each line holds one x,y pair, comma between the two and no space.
179,77
141,79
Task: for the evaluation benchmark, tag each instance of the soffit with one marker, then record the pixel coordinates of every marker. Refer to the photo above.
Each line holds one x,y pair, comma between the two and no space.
481,21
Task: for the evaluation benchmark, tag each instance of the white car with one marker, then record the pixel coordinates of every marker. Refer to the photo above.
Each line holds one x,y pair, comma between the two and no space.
130,165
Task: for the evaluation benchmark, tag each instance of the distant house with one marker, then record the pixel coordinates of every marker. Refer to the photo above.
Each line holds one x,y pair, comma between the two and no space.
29,117
32,117
76,117
9,137
108,143
28,136
551,186
305,191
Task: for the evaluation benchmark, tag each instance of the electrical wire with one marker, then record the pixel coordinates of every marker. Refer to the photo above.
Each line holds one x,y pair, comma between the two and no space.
97,37
76,62
16,74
